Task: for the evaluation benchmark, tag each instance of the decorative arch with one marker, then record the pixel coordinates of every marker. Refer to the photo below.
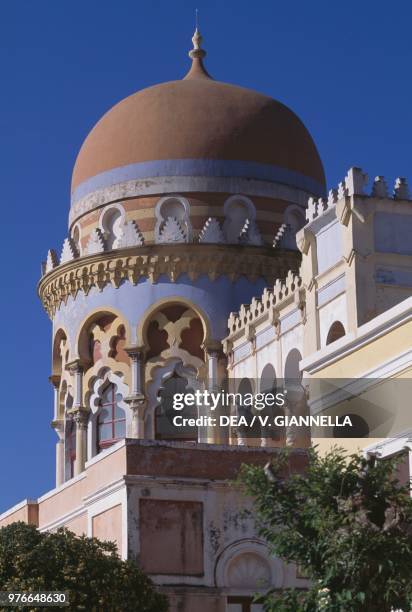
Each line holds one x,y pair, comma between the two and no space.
335,332
82,347
76,234
61,352
238,209
141,331
241,565
173,220
111,220
97,386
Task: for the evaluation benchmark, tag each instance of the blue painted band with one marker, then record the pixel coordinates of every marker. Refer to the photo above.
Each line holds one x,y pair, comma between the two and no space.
197,167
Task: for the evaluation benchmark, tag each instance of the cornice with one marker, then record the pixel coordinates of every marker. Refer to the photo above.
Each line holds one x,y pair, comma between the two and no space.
131,264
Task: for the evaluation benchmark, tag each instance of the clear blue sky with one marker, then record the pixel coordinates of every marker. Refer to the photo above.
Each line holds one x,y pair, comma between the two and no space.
343,67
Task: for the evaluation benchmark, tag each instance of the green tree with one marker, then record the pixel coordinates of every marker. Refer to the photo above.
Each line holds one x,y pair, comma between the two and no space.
90,571
347,522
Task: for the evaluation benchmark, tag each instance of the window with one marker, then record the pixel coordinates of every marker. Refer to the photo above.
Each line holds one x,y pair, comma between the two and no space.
111,421
70,448
165,413
335,332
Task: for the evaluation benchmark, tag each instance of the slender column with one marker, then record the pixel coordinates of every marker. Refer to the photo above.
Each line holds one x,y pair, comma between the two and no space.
80,415
215,356
55,381
136,400
81,419
58,426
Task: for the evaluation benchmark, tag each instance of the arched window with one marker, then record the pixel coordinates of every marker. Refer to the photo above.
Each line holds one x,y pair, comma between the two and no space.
111,420
358,429
165,412
335,332
70,447
292,369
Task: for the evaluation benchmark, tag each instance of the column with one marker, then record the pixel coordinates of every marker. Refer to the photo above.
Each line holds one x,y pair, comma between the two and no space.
215,356
136,400
80,415
58,427
81,419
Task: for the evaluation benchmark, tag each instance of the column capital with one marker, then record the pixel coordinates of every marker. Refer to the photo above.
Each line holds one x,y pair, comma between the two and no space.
136,401
213,347
58,426
55,379
135,352
80,416
76,365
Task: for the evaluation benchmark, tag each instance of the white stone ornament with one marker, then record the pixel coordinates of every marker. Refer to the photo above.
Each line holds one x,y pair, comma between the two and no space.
277,242
95,244
401,190
253,234
69,251
379,188
212,232
355,181
129,236
250,234
51,261
172,231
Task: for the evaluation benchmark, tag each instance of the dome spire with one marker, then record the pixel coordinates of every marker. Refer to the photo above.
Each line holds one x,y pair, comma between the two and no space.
197,69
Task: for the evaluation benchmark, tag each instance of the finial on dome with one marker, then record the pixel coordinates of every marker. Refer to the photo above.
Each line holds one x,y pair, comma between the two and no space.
197,54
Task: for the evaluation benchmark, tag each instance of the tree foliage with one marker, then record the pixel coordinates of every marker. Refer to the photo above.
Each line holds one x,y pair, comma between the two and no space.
89,570
347,522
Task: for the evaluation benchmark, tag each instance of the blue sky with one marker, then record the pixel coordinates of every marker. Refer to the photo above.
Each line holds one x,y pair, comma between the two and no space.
343,67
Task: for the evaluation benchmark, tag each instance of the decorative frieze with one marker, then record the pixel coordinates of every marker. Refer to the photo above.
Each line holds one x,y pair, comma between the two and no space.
113,267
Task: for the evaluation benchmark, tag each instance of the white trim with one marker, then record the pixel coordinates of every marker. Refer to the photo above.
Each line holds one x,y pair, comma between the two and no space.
391,446
374,329
362,382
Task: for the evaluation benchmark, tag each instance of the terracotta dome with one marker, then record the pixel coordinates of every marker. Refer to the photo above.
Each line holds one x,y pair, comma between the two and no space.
198,118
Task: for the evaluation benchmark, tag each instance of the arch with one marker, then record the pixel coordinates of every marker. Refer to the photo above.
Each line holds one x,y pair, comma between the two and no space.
141,331
175,207
82,342
241,554
110,222
268,379
237,209
359,428
292,369
76,233
94,396
182,380
294,218
57,357
336,331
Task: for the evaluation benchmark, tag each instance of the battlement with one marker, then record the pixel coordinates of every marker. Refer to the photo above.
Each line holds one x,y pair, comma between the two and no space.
276,298
354,184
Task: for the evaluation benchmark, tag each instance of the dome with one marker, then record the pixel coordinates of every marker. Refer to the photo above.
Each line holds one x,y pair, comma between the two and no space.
198,126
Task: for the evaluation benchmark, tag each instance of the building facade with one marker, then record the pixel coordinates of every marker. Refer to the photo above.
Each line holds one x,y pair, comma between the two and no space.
204,252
